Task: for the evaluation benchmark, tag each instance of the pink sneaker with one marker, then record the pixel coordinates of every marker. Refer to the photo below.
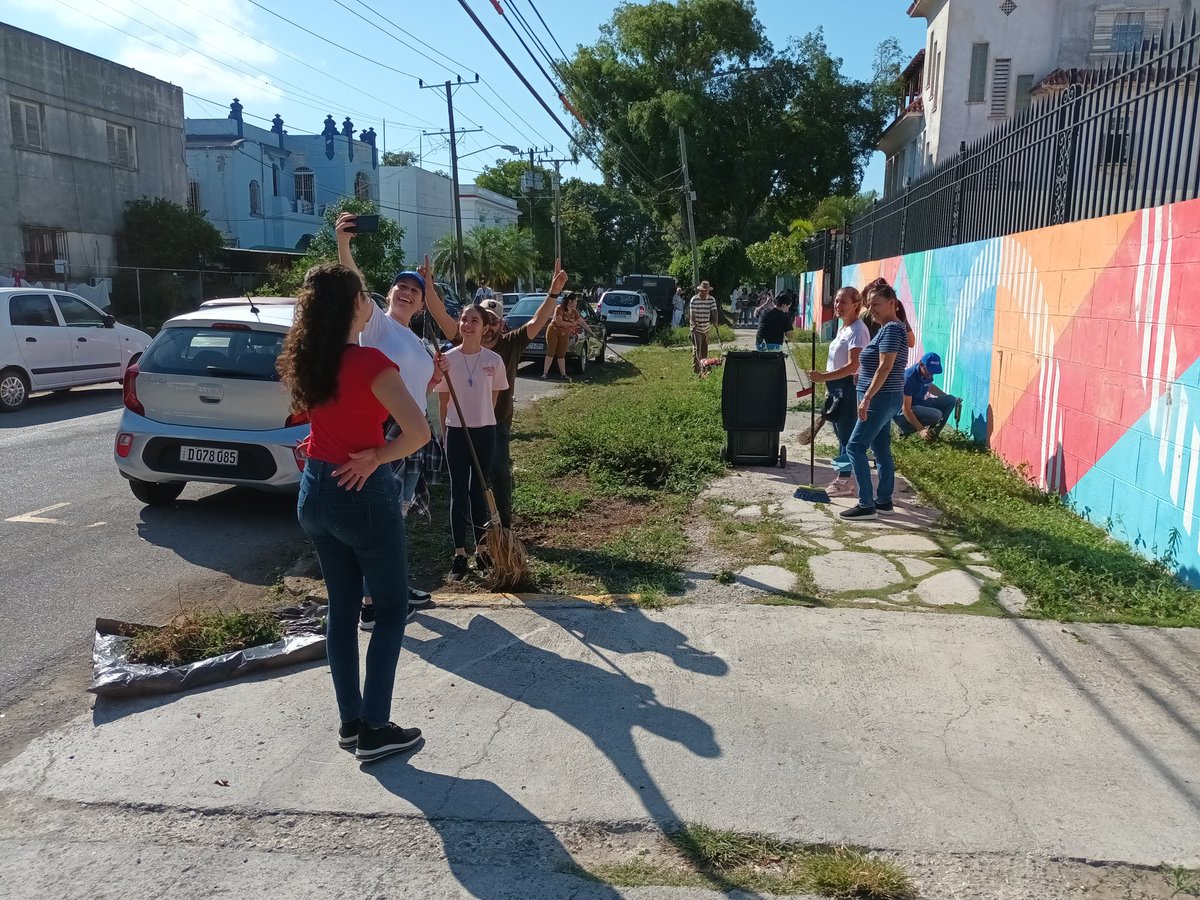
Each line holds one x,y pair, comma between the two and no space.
842,487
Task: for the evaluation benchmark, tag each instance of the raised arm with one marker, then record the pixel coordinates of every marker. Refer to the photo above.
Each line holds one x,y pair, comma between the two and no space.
434,303
344,235
546,311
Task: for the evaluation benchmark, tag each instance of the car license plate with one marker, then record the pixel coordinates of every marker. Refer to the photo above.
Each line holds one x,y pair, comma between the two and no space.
536,345
213,456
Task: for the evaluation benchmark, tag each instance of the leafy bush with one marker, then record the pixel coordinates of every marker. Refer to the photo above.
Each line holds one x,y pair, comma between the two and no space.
682,337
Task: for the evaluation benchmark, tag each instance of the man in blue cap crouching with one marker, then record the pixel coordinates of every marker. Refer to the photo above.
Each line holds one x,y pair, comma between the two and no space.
927,407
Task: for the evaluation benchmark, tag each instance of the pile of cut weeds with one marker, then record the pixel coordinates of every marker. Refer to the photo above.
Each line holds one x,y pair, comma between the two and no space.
195,635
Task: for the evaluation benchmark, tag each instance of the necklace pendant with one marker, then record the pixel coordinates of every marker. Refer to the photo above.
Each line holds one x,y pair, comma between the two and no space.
471,382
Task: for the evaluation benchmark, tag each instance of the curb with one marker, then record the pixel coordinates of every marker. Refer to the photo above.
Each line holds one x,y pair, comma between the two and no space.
485,600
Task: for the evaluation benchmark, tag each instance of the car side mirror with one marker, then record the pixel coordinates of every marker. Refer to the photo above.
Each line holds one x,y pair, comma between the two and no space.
110,321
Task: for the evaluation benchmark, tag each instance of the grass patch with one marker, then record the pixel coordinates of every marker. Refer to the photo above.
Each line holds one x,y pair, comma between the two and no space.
195,635
682,337
1069,569
727,860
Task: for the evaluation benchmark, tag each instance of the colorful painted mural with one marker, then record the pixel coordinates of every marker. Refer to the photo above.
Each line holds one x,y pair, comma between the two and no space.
1075,354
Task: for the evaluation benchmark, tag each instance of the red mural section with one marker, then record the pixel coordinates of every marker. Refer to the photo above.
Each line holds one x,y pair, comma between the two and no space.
1097,340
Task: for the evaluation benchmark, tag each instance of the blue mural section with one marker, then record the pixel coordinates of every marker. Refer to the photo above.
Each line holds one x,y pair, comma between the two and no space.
950,295
1143,490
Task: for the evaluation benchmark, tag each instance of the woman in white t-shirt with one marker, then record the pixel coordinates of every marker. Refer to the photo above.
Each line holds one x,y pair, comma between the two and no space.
841,403
478,377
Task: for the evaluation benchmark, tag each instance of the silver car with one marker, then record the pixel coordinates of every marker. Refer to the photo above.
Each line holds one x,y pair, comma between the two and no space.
204,403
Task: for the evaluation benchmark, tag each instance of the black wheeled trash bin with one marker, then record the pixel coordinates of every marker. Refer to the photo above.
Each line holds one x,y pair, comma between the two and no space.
753,407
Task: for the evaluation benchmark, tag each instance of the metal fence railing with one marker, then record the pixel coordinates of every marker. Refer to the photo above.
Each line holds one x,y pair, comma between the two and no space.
1118,138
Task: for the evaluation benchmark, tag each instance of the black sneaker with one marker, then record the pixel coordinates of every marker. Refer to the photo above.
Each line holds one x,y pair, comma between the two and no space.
884,507
348,734
418,598
376,743
458,568
366,618
859,512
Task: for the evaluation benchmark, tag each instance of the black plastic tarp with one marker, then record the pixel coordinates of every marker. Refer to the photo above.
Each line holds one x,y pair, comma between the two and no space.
115,676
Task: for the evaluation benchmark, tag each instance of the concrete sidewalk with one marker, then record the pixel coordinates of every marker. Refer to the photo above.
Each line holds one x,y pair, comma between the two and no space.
884,729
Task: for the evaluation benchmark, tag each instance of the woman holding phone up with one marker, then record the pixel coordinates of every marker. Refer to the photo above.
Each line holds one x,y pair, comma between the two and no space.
349,502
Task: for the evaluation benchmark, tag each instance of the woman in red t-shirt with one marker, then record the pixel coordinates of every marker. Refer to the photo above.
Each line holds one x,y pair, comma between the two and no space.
348,504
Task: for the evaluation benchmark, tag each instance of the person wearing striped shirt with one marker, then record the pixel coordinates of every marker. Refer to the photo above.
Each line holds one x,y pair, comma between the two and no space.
880,396
703,314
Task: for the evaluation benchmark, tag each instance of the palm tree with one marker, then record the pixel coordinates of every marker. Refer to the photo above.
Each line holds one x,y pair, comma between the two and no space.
497,254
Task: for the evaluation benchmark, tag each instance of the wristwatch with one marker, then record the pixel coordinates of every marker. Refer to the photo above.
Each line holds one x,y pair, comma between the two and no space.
556,296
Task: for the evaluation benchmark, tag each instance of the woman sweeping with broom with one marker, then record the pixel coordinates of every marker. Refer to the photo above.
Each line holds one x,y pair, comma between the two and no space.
474,378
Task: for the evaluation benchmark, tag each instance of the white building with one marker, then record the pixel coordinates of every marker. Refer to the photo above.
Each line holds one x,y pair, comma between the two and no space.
422,203
481,207
984,60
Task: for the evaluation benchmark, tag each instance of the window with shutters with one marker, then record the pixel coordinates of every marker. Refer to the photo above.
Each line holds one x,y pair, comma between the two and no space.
194,196
42,247
362,186
1024,96
26,121
1126,32
255,199
120,145
274,179
978,83
1001,82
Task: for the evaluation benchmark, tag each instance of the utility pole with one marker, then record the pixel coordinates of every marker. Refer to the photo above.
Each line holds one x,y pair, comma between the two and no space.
459,273
532,184
558,202
689,195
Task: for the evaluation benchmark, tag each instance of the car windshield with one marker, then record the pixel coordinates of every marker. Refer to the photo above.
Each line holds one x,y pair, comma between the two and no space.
527,307
239,352
621,298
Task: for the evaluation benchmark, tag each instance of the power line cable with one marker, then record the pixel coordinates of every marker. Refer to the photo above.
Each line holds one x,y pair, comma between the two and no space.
415,38
533,6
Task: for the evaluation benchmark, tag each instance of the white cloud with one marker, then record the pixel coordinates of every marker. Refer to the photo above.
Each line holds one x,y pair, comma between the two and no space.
191,51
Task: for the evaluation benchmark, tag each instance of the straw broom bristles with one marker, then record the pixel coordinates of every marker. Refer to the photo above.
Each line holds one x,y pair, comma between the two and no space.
510,563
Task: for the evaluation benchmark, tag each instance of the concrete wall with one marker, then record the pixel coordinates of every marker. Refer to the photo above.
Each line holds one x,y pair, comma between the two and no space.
71,184
1077,355
420,202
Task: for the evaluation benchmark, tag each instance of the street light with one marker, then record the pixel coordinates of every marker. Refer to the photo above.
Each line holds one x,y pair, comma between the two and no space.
509,147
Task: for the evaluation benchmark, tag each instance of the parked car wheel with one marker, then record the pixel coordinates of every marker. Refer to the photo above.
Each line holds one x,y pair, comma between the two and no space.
603,351
154,493
14,390
581,361
646,335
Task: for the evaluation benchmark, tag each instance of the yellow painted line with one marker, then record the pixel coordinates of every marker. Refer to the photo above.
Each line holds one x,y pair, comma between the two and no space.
37,518
509,600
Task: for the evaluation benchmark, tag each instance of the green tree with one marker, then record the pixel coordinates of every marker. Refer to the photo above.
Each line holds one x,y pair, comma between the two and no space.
769,132
399,158
835,212
500,255
505,178
607,233
379,255
159,234
723,264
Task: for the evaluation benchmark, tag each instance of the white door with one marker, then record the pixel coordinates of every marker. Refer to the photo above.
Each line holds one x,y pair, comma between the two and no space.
96,346
43,343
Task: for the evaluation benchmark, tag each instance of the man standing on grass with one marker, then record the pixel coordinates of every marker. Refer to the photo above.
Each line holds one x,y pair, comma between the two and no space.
703,314
927,407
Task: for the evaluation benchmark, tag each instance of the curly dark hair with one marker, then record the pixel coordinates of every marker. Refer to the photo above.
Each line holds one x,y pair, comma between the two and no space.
312,354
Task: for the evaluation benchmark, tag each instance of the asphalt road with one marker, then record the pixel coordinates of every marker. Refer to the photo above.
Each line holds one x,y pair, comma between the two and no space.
77,545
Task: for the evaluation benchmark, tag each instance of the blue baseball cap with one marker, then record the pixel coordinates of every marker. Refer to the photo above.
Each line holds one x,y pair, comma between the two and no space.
933,363
412,276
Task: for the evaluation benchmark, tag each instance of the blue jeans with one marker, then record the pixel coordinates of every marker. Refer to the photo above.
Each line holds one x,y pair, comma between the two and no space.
875,433
764,347
357,535
843,417
929,411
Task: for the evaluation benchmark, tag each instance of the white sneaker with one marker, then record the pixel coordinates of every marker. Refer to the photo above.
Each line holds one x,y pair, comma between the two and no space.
842,487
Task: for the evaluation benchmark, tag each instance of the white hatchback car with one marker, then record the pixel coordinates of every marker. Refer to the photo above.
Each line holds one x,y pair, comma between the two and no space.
628,312
51,340
205,403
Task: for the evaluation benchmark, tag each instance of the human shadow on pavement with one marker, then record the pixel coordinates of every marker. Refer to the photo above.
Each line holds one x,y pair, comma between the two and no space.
484,831
602,703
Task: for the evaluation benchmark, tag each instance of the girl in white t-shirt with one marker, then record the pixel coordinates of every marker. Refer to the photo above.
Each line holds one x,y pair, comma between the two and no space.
478,377
841,399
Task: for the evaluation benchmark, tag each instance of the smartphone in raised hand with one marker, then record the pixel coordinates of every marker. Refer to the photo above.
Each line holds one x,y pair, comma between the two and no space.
364,224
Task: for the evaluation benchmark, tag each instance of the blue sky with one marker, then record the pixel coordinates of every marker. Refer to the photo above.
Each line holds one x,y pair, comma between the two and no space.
202,44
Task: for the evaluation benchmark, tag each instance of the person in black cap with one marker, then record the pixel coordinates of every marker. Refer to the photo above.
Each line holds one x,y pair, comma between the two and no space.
927,407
